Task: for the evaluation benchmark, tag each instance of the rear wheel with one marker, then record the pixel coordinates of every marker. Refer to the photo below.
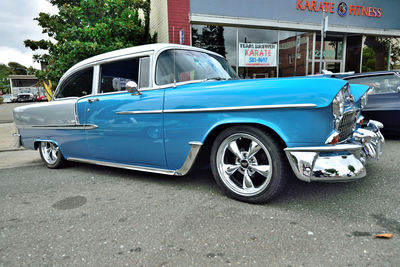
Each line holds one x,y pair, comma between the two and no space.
51,155
249,164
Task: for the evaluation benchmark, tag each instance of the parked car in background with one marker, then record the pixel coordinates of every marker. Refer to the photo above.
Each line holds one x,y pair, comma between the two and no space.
40,98
156,108
25,97
383,98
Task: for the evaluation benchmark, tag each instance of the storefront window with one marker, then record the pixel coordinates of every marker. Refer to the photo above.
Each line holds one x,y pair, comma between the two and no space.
295,50
377,51
257,53
219,39
353,53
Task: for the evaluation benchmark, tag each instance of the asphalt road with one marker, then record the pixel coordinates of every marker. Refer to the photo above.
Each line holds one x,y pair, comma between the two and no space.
98,216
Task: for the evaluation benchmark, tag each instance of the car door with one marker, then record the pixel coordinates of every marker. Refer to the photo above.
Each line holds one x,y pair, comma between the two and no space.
128,126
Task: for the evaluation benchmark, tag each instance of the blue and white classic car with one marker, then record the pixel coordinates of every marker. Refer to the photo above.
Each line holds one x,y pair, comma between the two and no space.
156,108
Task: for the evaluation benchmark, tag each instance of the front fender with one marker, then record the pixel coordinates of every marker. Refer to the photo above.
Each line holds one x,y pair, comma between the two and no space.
274,127
358,90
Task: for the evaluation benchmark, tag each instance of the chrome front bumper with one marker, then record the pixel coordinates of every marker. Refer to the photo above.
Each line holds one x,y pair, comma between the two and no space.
342,162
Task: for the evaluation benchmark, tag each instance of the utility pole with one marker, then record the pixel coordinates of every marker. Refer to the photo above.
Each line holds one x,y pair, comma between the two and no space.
324,28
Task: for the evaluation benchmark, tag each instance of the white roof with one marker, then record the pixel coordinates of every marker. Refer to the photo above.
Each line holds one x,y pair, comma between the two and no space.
127,51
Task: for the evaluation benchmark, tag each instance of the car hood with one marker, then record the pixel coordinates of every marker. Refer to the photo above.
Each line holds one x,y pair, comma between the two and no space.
277,91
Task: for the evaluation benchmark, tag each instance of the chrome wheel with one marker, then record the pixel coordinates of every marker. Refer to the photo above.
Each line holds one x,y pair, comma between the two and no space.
244,164
49,152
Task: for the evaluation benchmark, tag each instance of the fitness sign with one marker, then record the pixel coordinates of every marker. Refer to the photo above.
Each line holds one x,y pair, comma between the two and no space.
342,9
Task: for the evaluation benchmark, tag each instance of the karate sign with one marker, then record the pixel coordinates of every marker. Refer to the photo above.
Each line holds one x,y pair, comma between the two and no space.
257,55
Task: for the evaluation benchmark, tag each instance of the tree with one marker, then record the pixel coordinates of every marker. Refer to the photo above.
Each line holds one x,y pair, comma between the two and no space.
211,38
86,28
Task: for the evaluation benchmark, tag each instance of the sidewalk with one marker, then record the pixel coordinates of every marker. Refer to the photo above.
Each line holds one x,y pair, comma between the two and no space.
10,154
8,142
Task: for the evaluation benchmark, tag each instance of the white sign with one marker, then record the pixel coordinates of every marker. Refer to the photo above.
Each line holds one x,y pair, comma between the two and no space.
257,55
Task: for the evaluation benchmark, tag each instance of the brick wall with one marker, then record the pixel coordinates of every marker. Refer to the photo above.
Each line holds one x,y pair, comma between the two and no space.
178,19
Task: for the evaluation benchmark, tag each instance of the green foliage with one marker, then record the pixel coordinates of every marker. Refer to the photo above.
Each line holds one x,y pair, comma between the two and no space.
4,82
376,53
86,28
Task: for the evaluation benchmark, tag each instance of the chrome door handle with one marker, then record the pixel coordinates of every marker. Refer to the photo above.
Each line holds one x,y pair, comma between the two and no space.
91,100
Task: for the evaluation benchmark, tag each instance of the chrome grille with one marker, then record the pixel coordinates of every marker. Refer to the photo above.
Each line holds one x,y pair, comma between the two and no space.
347,124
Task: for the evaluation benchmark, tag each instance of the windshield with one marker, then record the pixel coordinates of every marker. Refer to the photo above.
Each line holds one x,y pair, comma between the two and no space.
190,66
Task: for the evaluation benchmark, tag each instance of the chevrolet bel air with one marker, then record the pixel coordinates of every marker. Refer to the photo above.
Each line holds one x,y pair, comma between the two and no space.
160,108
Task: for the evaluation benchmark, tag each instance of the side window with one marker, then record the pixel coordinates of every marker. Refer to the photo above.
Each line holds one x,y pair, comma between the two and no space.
115,75
79,84
380,84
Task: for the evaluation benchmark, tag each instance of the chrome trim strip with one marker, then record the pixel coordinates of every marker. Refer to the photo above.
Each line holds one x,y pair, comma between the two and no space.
327,148
124,166
191,158
61,127
190,110
186,167
139,112
241,108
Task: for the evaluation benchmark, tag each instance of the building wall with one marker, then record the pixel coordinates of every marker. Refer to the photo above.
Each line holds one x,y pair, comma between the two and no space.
178,19
159,20
301,13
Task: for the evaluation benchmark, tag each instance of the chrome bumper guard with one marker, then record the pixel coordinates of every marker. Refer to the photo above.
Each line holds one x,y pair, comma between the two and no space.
342,162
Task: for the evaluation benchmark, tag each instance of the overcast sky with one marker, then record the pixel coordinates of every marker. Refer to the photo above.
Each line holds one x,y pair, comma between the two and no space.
17,25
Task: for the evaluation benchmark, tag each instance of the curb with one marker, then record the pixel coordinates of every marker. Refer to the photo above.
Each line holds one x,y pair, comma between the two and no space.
12,149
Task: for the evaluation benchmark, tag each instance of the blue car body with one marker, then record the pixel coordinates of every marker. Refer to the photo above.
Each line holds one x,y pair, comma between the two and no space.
162,127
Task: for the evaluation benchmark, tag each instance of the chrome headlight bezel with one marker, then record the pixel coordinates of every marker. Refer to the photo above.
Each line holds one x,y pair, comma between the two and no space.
338,106
364,100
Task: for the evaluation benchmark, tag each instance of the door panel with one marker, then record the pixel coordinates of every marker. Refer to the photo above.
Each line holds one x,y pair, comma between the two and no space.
126,138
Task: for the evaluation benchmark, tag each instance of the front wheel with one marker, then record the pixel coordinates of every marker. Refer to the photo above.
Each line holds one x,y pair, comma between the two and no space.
249,164
51,155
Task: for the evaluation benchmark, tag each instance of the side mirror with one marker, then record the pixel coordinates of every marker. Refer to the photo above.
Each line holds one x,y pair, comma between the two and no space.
398,89
131,87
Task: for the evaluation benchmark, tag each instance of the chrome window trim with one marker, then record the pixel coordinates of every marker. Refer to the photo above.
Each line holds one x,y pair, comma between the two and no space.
99,62
96,79
54,98
157,54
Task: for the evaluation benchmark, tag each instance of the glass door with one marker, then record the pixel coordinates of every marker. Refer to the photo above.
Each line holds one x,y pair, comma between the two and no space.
332,53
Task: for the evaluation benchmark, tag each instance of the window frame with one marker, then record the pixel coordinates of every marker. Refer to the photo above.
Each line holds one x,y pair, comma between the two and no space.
174,84
67,79
97,75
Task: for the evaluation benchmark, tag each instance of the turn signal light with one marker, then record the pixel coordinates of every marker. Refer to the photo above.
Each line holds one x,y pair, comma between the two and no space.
335,140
